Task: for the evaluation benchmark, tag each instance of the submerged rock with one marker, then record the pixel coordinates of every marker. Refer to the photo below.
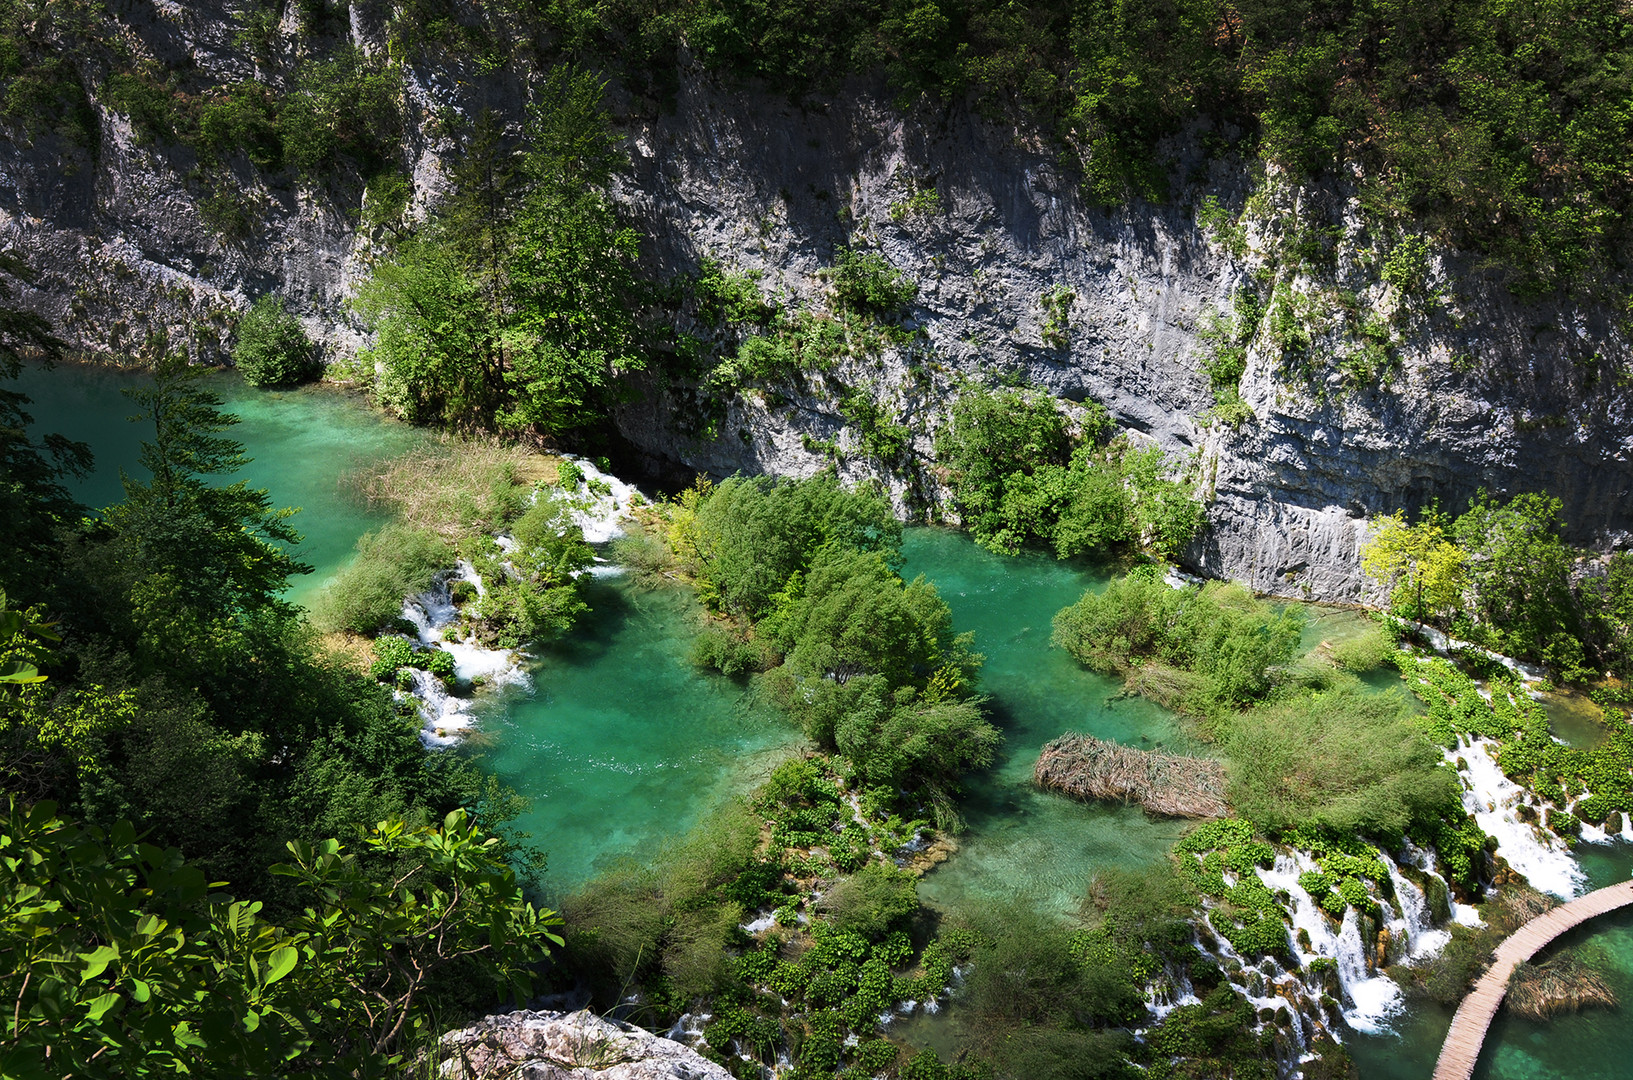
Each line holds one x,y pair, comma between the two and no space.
530,1045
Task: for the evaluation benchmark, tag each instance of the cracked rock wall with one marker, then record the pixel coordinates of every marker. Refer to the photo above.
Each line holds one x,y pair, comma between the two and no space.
1489,392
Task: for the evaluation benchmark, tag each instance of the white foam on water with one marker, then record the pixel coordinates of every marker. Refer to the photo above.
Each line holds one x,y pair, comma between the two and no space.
601,516
1492,797
445,717
1466,915
760,925
1423,940
1369,1001
1372,1000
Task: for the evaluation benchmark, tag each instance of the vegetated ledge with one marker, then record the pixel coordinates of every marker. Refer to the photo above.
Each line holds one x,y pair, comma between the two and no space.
1564,984
1172,785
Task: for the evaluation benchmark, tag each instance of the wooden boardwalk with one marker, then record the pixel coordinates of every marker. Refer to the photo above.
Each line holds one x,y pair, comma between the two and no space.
1474,1015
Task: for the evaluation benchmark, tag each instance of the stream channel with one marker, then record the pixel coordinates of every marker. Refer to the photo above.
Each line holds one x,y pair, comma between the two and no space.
622,745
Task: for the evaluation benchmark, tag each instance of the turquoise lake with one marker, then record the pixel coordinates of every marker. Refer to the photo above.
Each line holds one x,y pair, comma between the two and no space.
623,745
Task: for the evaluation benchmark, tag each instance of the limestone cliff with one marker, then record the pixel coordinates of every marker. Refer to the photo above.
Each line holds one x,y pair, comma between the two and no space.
1481,390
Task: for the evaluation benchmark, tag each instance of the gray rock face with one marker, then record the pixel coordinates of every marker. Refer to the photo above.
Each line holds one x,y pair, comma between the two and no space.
1488,392
566,1046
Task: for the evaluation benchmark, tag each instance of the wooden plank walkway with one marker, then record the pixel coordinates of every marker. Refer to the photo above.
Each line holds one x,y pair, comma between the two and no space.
1474,1015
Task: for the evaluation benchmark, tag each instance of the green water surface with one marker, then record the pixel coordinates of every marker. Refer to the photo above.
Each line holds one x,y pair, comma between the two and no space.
1023,843
302,443
623,744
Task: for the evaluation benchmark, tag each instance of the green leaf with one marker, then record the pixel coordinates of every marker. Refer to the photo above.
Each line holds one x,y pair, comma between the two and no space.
97,962
101,1006
281,963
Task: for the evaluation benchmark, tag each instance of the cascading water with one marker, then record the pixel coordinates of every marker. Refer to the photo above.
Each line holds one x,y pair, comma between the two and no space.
447,717
1370,999
600,507
1423,940
1367,1000
1492,798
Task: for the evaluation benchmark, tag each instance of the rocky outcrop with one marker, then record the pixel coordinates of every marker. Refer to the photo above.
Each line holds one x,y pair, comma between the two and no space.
566,1046
1483,391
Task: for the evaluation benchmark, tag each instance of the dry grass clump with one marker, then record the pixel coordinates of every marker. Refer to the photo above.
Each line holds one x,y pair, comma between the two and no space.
1167,784
456,486
352,651
1564,984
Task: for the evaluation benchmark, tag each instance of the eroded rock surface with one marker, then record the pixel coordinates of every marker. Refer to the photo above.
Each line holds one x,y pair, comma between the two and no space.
1484,390
567,1046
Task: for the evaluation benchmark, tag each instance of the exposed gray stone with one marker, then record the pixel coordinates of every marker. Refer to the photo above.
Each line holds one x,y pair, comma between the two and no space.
566,1046
1534,403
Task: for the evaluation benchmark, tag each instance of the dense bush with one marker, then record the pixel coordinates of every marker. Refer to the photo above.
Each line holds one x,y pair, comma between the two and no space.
746,539
272,347
1219,634
391,563
1016,479
1501,576
1343,760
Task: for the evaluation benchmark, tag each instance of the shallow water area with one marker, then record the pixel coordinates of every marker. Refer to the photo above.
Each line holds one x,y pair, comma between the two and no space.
1573,718
623,744
1023,843
301,443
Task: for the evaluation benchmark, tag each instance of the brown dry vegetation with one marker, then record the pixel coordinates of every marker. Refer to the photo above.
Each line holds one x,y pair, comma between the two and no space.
350,650
1563,984
1167,784
455,486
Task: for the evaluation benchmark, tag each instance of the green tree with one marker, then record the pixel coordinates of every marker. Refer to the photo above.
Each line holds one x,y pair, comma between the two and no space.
514,307
272,347
34,504
121,960
1425,571
749,536
1520,572
201,551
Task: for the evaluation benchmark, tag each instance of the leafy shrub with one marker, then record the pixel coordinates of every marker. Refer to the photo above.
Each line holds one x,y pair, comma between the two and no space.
1218,632
1365,652
878,899
390,654
719,649
440,663
391,564
863,282
1016,479
749,536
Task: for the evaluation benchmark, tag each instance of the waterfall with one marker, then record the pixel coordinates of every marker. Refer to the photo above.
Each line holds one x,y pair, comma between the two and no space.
1368,1000
597,514
445,717
1169,993
1371,1000
1422,939
1491,797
